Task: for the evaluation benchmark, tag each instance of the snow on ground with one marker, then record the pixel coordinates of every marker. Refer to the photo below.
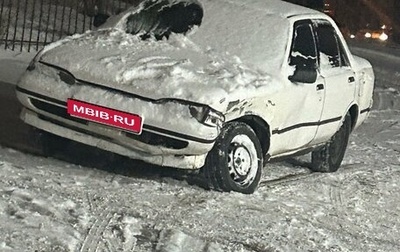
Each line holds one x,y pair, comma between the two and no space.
119,205
13,64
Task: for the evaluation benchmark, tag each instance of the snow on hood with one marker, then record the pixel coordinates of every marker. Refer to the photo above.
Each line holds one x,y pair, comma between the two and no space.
174,68
225,58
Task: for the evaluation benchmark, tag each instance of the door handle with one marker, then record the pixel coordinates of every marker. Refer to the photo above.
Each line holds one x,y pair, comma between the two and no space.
320,87
351,79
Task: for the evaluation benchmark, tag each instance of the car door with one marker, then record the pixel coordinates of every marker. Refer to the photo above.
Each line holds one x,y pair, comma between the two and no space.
300,106
339,79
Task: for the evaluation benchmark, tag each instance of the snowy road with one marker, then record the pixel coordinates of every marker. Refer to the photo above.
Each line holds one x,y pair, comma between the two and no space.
86,200
51,205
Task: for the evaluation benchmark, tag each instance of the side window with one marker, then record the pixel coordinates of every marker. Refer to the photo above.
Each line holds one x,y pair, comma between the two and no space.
331,51
303,53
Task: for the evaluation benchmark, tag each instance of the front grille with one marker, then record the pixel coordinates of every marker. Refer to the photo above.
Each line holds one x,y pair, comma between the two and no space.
55,110
56,122
146,137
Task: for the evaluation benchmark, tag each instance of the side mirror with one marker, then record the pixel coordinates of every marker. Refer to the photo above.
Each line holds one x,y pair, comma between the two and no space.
304,75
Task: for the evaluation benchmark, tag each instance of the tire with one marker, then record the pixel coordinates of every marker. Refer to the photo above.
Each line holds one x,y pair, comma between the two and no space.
235,162
329,157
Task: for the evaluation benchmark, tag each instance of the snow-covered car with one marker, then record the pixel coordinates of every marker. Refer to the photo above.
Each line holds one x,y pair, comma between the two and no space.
221,86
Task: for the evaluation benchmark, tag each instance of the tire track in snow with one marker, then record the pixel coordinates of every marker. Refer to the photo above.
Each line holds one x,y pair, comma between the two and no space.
291,178
335,190
93,238
341,198
108,231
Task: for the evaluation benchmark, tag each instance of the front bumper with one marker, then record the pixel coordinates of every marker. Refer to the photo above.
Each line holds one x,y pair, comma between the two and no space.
109,144
170,137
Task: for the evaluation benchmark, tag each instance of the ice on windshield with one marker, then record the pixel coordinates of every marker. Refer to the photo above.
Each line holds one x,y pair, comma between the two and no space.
161,18
303,54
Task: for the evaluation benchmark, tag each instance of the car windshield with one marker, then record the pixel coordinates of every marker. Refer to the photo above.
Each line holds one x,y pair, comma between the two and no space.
161,18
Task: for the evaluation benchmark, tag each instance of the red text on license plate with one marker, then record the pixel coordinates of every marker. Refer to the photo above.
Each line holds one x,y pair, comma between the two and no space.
103,115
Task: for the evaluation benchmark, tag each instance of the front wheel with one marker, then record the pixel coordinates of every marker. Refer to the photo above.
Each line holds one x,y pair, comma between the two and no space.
235,162
329,157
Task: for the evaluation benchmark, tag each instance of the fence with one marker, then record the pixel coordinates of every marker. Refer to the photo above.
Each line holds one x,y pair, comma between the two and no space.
27,25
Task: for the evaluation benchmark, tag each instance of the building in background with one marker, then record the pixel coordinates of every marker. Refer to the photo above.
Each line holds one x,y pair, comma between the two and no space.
329,7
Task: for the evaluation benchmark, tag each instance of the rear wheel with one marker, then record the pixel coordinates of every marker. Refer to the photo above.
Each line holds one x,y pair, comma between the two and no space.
329,157
235,162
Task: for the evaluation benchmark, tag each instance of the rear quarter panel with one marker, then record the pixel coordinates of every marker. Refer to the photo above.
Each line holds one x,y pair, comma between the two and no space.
366,79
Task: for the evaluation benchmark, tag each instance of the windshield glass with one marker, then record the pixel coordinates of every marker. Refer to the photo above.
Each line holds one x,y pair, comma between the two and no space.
161,18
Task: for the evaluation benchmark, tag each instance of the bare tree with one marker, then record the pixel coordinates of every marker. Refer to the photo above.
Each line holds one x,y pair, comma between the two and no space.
2,26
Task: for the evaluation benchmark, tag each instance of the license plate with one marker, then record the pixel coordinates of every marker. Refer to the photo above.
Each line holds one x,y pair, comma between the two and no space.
107,116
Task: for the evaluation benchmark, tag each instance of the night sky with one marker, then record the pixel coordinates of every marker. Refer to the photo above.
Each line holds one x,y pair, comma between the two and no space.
355,15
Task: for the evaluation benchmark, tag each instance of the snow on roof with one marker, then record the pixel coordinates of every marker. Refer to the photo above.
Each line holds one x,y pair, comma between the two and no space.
280,7
256,31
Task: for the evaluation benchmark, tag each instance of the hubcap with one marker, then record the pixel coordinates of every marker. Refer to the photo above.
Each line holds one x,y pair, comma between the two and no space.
242,160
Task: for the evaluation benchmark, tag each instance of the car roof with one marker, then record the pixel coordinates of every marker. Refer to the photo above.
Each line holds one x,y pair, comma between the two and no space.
255,31
277,7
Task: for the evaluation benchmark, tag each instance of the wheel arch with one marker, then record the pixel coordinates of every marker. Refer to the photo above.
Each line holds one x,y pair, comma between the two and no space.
260,127
354,112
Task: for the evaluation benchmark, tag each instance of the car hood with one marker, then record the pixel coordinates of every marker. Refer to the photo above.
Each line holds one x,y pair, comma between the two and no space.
169,69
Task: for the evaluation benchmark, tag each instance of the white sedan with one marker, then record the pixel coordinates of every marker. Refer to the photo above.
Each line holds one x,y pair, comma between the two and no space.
222,86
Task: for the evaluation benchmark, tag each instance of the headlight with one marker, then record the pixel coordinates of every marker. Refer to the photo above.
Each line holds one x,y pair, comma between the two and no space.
207,116
32,64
